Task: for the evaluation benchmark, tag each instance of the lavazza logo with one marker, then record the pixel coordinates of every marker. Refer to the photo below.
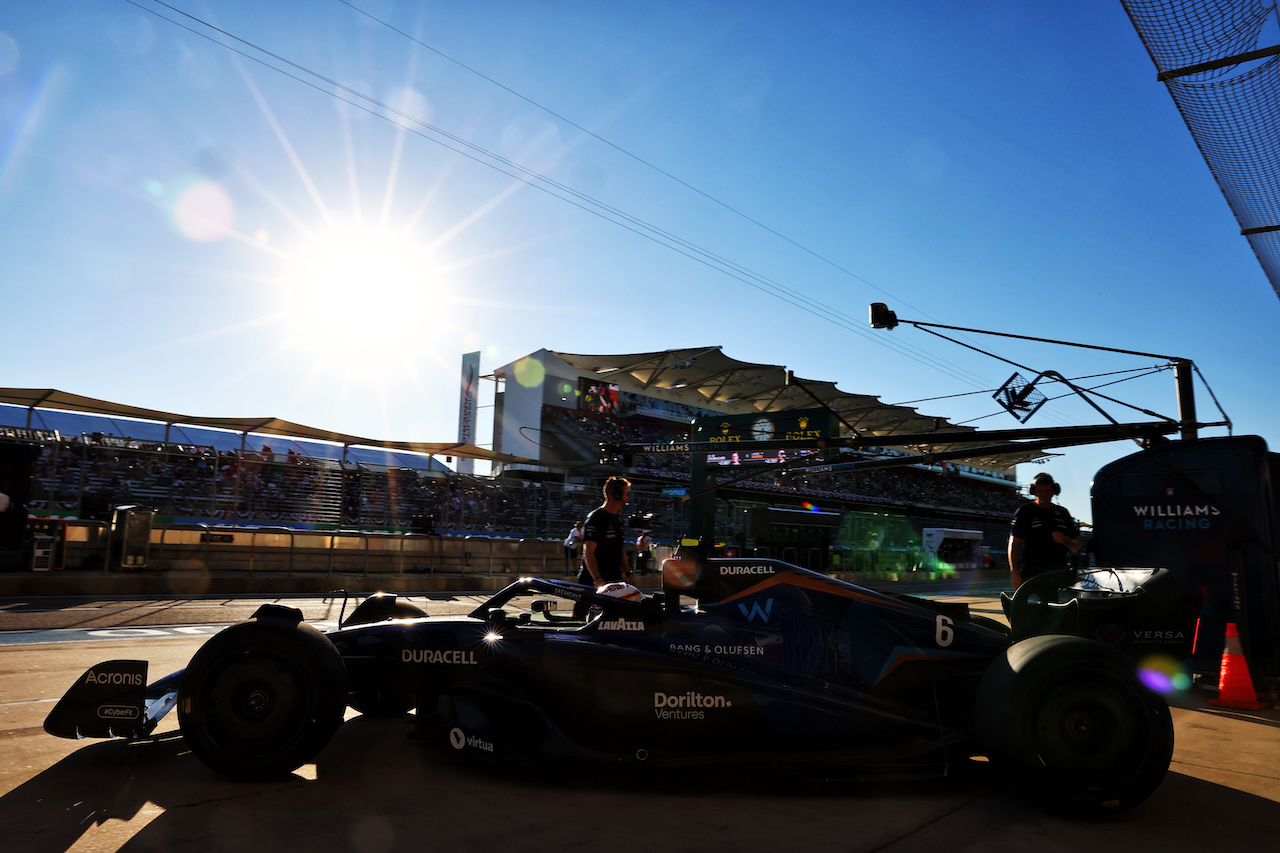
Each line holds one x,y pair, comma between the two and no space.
620,625
459,739
686,706
127,679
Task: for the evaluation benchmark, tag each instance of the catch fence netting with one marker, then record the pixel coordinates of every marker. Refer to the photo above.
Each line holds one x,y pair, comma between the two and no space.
1231,109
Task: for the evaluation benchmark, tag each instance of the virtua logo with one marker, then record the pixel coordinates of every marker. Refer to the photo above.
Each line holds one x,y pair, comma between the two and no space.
621,625
459,739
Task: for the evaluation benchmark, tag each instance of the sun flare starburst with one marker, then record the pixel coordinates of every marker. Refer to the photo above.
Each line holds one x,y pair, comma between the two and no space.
362,291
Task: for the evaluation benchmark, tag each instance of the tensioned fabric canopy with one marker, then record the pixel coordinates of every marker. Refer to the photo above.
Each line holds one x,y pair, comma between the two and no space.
705,377
49,398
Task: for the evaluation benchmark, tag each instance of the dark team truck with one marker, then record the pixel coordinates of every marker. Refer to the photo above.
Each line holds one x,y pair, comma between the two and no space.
1205,510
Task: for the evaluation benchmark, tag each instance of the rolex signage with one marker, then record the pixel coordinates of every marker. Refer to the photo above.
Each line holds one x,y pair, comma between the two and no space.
794,425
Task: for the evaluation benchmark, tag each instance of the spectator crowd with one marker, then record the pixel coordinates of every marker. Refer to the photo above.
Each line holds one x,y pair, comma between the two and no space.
84,476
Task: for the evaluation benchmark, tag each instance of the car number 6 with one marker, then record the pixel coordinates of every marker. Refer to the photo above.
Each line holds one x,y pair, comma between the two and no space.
944,633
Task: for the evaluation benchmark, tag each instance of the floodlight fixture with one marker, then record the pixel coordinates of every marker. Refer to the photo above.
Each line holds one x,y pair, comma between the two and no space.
882,317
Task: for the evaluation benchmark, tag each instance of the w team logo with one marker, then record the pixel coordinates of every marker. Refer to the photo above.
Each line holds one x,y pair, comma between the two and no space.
756,611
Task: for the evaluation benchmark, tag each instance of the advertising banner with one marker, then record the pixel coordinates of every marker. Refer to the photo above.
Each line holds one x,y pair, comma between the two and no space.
470,383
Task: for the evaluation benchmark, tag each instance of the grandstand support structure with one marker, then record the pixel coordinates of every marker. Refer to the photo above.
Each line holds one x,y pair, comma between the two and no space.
1227,89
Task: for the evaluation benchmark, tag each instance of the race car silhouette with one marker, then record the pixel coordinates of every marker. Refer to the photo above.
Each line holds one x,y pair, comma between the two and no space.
748,661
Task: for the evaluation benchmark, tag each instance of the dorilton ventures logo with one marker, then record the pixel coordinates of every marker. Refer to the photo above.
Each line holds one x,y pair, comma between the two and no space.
691,705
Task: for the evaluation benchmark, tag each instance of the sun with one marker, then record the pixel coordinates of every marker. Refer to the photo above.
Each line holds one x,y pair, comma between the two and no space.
361,293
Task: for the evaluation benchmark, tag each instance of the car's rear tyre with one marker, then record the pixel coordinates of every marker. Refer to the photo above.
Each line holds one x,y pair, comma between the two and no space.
262,698
1069,720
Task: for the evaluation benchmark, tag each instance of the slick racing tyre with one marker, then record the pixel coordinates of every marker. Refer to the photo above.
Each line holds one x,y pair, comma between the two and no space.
1068,719
262,698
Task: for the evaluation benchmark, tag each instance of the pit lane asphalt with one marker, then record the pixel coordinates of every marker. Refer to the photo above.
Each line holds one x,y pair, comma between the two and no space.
374,789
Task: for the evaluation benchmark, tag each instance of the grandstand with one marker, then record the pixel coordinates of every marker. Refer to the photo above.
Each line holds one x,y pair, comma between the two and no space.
563,406
546,462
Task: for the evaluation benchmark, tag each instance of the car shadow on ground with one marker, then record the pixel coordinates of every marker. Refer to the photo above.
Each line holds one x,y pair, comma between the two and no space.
375,789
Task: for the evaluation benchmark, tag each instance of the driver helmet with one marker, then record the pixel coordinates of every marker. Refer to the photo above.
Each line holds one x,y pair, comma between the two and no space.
619,589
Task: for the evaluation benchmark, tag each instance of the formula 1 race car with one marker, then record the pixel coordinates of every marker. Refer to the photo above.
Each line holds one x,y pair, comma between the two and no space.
736,660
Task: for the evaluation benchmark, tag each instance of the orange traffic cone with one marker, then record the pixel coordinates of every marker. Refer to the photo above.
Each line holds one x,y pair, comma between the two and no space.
1235,687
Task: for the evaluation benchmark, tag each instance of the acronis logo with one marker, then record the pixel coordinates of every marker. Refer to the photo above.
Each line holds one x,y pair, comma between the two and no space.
756,611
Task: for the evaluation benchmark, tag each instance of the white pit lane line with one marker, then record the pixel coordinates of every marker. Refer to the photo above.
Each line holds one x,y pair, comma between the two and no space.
150,632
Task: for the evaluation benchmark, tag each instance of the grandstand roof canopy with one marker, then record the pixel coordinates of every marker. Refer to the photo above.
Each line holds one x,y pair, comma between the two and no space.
49,398
705,377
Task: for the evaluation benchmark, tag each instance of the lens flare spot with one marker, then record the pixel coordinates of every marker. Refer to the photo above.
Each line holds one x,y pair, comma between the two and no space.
408,107
204,212
530,373
8,54
1164,675
133,35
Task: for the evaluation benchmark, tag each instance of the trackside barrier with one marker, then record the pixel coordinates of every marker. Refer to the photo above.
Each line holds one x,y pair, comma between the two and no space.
504,555
86,545
349,553
266,543
421,551
283,550
540,557
477,554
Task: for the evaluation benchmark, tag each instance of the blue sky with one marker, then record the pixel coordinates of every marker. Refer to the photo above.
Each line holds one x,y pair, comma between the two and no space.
188,230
